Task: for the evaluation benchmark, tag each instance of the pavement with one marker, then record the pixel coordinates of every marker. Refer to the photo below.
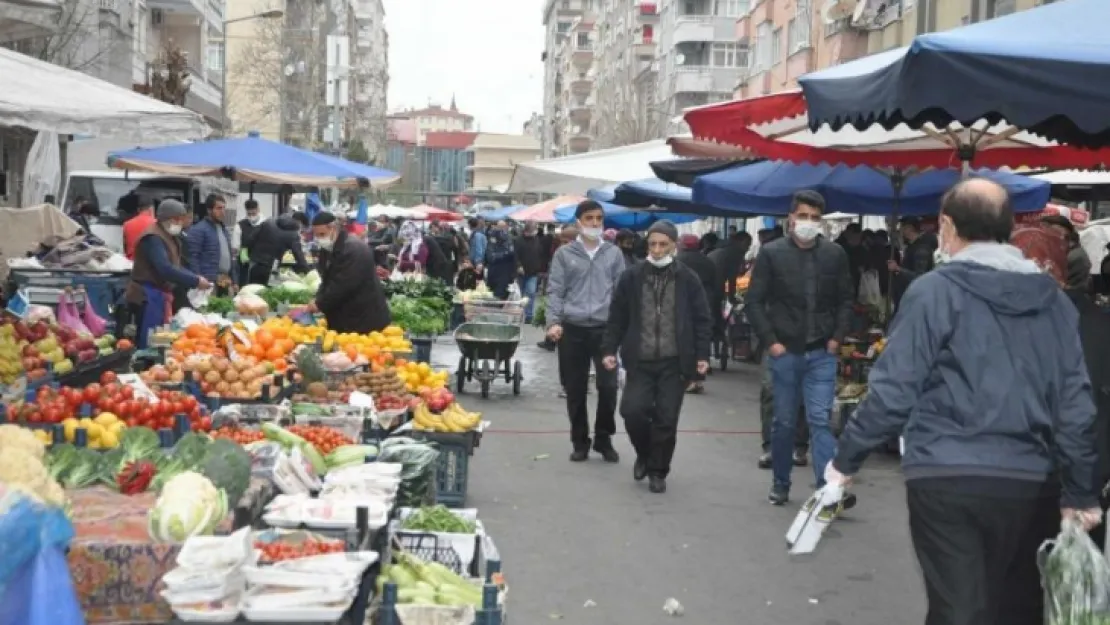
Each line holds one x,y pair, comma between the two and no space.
583,544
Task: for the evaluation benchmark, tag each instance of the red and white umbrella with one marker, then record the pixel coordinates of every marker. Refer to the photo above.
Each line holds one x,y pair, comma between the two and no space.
777,127
544,212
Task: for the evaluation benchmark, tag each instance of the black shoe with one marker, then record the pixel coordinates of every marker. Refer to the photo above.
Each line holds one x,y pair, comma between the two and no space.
847,502
800,459
607,452
765,460
580,454
778,496
657,484
639,470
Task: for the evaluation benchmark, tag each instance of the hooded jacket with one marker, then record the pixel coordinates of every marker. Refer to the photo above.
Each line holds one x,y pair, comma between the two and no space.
273,238
983,375
580,288
350,295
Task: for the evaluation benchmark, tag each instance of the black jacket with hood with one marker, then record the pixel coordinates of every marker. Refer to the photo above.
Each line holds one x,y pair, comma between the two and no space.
273,238
350,295
984,377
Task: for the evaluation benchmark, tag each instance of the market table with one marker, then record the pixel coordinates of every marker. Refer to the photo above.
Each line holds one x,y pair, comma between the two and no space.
116,566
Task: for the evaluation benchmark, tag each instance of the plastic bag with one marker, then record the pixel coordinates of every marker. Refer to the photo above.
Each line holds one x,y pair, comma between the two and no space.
26,527
1076,578
42,593
418,462
93,321
198,298
250,304
68,316
870,294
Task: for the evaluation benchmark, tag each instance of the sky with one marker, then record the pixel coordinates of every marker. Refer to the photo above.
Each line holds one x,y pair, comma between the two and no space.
485,52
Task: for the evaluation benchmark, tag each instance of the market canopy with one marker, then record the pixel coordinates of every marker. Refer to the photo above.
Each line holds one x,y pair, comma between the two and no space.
42,96
544,212
622,217
683,171
431,213
253,159
768,188
656,194
577,173
501,213
1046,70
393,212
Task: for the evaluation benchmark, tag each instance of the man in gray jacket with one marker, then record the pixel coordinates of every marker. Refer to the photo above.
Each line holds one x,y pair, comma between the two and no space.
580,286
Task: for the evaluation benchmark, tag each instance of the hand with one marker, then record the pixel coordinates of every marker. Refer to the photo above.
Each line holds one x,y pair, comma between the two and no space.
1087,519
703,367
610,362
520,271
892,265
555,332
776,350
203,284
312,307
832,346
836,478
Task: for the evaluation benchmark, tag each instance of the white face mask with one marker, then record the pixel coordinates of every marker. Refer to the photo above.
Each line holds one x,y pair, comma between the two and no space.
257,219
806,231
590,233
325,244
661,262
174,229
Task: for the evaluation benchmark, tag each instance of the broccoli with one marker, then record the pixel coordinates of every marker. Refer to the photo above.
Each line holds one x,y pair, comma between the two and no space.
228,466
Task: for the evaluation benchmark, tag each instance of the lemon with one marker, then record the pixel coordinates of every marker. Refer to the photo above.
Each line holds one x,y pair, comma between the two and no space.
109,439
69,426
95,444
85,422
106,419
117,427
95,430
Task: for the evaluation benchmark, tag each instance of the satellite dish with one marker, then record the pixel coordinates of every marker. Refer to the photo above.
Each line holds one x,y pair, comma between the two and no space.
836,10
680,58
861,6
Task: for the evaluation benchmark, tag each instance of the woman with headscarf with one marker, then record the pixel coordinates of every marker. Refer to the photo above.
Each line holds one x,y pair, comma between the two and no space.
413,255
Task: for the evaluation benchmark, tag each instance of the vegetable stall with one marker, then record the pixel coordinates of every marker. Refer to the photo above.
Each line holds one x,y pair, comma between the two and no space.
225,477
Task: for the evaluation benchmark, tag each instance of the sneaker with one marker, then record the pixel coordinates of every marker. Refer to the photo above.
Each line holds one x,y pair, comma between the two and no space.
847,502
778,496
800,459
657,484
765,460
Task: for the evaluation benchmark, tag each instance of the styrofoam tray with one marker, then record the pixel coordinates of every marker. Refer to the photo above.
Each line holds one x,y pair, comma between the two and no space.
277,598
290,521
226,613
232,585
327,513
216,552
184,580
350,563
369,469
314,614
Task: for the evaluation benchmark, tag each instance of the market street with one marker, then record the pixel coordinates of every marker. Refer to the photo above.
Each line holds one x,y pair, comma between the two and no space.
571,534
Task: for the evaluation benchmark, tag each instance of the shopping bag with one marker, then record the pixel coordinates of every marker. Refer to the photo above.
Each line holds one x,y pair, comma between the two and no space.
42,593
869,292
1075,576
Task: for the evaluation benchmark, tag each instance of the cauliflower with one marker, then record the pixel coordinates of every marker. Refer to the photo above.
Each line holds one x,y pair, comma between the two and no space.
15,437
188,506
21,471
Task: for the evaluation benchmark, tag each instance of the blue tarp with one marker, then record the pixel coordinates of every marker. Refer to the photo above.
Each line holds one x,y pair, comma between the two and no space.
656,192
620,217
767,189
1046,70
248,159
500,213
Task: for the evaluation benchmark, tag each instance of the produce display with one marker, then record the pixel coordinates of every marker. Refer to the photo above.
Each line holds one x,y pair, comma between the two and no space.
324,439
428,583
438,519
190,505
291,548
439,412
27,349
22,468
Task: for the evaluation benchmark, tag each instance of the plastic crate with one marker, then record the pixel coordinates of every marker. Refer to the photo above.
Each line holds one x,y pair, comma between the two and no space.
422,348
452,466
103,288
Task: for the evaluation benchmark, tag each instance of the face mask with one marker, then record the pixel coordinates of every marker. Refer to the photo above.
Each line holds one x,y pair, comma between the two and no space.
257,219
806,231
661,262
325,244
174,229
591,233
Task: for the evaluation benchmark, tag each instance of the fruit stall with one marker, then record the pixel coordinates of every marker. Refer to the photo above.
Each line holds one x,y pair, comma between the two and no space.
264,468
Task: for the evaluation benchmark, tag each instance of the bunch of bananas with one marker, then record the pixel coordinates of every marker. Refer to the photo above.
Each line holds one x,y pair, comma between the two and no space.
453,419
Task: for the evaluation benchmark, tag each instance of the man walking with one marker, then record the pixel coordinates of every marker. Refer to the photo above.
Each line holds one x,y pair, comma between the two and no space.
529,261
659,320
692,258
984,377
799,304
583,275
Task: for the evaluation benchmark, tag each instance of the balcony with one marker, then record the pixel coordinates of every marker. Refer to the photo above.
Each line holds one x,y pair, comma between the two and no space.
582,54
648,12
582,83
579,143
699,28
110,6
706,79
644,49
581,111
193,8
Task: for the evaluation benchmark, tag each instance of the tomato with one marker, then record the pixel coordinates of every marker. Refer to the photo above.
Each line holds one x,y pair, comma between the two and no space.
108,377
190,402
52,415
167,422
127,392
92,393
34,417
146,416
111,388
205,423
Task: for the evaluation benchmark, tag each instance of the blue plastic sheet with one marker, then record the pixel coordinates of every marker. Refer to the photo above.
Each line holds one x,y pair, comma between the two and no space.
42,593
26,528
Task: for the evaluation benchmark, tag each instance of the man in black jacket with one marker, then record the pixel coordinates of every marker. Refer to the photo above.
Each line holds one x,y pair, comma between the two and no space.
706,271
659,321
246,231
729,259
799,304
350,296
271,241
529,261
917,257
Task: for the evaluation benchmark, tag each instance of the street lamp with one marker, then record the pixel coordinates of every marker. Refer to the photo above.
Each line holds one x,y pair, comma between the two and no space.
265,15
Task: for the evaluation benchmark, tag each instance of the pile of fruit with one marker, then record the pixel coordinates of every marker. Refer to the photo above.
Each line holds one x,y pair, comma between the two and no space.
26,349
439,412
419,377
279,550
219,376
240,435
113,403
323,438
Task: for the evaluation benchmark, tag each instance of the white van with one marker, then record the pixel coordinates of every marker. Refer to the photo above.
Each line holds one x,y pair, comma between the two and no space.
116,195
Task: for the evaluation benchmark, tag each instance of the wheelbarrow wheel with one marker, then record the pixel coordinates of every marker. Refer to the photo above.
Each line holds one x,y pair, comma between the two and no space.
518,376
485,389
460,375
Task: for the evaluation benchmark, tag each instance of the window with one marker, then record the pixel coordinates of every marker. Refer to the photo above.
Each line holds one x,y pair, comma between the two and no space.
797,34
761,60
583,41
215,56
832,28
728,55
776,47
730,8
998,8
649,33
139,40
563,27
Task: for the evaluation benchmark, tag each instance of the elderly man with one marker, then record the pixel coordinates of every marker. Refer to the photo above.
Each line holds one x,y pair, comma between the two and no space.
350,295
660,323
983,375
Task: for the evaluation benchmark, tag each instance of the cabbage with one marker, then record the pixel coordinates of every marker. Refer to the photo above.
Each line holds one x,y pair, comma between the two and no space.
294,285
312,280
252,289
188,506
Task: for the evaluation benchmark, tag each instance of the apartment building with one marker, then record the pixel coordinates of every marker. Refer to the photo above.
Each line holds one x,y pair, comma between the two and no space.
370,78
493,157
895,23
435,118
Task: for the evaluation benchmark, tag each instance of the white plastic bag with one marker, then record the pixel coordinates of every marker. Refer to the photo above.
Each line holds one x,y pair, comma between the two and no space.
1075,576
869,292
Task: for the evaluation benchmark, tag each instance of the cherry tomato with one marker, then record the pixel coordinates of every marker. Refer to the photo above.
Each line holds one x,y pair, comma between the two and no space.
146,416
127,392
52,415
34,417
92,393
205,423
190,402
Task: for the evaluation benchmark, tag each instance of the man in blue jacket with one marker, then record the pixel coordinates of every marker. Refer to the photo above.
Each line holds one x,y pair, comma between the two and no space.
983,375
209,247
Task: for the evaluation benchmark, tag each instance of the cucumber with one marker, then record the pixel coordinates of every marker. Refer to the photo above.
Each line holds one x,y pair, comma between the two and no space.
310,410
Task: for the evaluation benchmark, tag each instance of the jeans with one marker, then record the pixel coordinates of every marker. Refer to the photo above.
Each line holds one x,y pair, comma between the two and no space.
527,286
650,406
808,377
578,347
767,412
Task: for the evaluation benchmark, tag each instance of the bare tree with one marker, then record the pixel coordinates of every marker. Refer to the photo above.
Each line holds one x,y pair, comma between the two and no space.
630,109
77,42
371,118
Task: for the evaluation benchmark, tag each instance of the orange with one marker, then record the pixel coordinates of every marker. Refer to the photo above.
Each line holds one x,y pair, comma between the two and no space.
258,351
264,338
280,365
400,362
279,333
195,331
275,353
351,351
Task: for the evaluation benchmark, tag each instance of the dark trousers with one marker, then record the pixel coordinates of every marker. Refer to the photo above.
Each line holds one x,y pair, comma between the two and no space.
978,555
650,405
258,273
767,415
578,347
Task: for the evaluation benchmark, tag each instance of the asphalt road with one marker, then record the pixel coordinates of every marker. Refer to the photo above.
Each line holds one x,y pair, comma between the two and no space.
584,544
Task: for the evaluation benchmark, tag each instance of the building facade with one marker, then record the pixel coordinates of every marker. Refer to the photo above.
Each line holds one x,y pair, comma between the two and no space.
438,166
435,118
495,156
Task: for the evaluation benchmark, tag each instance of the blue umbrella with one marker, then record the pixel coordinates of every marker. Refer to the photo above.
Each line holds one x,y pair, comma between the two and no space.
312,206
768,188
363,215
500,213
656,192
1045,70
252,159
621,217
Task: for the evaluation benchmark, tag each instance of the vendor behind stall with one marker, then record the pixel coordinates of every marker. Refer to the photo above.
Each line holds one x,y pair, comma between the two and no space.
210,251
158,269
272,240
350,296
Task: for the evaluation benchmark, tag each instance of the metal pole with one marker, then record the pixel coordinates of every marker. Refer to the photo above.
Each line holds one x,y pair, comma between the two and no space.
335,139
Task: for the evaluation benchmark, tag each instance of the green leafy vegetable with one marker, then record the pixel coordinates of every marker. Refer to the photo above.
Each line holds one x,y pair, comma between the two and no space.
85,470
438,519
228,467
220,305
60,460
420,316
